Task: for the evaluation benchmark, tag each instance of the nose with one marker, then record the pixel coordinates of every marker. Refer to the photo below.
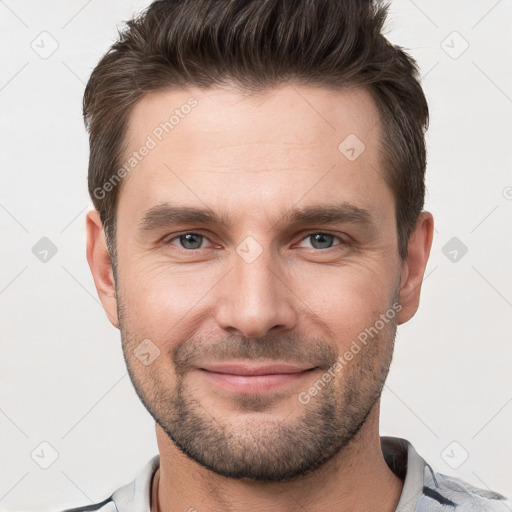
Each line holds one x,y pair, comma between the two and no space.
255,298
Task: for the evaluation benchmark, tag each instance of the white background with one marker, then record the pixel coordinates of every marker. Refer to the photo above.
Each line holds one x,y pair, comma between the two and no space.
62,375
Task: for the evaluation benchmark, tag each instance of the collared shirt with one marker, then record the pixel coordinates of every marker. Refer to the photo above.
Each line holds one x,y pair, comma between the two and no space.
423,490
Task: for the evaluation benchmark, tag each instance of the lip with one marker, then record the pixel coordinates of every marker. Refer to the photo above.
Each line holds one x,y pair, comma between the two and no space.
240,378
245,369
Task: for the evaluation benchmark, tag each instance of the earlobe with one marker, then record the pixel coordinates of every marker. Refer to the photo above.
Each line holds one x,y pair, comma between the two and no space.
413,269
101,265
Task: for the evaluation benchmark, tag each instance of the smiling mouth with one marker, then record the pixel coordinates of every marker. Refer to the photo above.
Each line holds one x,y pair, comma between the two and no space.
239,368
254,379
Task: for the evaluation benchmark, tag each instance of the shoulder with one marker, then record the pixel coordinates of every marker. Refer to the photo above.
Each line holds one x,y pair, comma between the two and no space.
106,505
131,497
448,492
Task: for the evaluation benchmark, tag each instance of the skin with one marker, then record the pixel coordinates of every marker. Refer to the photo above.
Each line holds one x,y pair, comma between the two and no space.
255,158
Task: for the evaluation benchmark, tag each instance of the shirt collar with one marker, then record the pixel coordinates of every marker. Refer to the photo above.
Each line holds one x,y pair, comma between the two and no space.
135,496
398,453
407,464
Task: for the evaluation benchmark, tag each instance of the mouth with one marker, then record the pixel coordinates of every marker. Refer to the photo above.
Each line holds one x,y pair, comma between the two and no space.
252,379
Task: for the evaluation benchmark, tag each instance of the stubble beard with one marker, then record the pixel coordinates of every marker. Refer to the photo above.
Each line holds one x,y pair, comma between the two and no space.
259,443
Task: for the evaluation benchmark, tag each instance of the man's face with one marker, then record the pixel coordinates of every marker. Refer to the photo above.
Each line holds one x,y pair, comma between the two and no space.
266,286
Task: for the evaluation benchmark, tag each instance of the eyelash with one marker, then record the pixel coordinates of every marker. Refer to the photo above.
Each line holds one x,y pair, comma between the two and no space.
307,235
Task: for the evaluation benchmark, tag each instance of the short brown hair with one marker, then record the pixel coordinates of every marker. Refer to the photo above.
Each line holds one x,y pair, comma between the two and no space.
258,45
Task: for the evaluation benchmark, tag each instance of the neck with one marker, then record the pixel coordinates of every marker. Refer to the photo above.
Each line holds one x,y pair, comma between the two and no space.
356,479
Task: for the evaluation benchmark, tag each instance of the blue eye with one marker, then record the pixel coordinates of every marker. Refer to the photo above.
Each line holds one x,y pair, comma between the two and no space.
321,240
189,240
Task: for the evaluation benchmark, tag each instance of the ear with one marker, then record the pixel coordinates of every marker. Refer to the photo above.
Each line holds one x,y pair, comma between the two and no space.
413,268
101,265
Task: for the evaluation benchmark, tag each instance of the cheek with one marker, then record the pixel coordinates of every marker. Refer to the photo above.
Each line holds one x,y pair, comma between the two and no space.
159,306
348,299
164,301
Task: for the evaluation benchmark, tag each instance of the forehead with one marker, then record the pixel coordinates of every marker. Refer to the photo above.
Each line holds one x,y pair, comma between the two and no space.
220,148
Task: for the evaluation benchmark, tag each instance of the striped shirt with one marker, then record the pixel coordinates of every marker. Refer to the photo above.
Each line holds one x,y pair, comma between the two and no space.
424,490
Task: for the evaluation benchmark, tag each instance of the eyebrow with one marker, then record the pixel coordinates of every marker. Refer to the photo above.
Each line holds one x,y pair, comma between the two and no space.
165,215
